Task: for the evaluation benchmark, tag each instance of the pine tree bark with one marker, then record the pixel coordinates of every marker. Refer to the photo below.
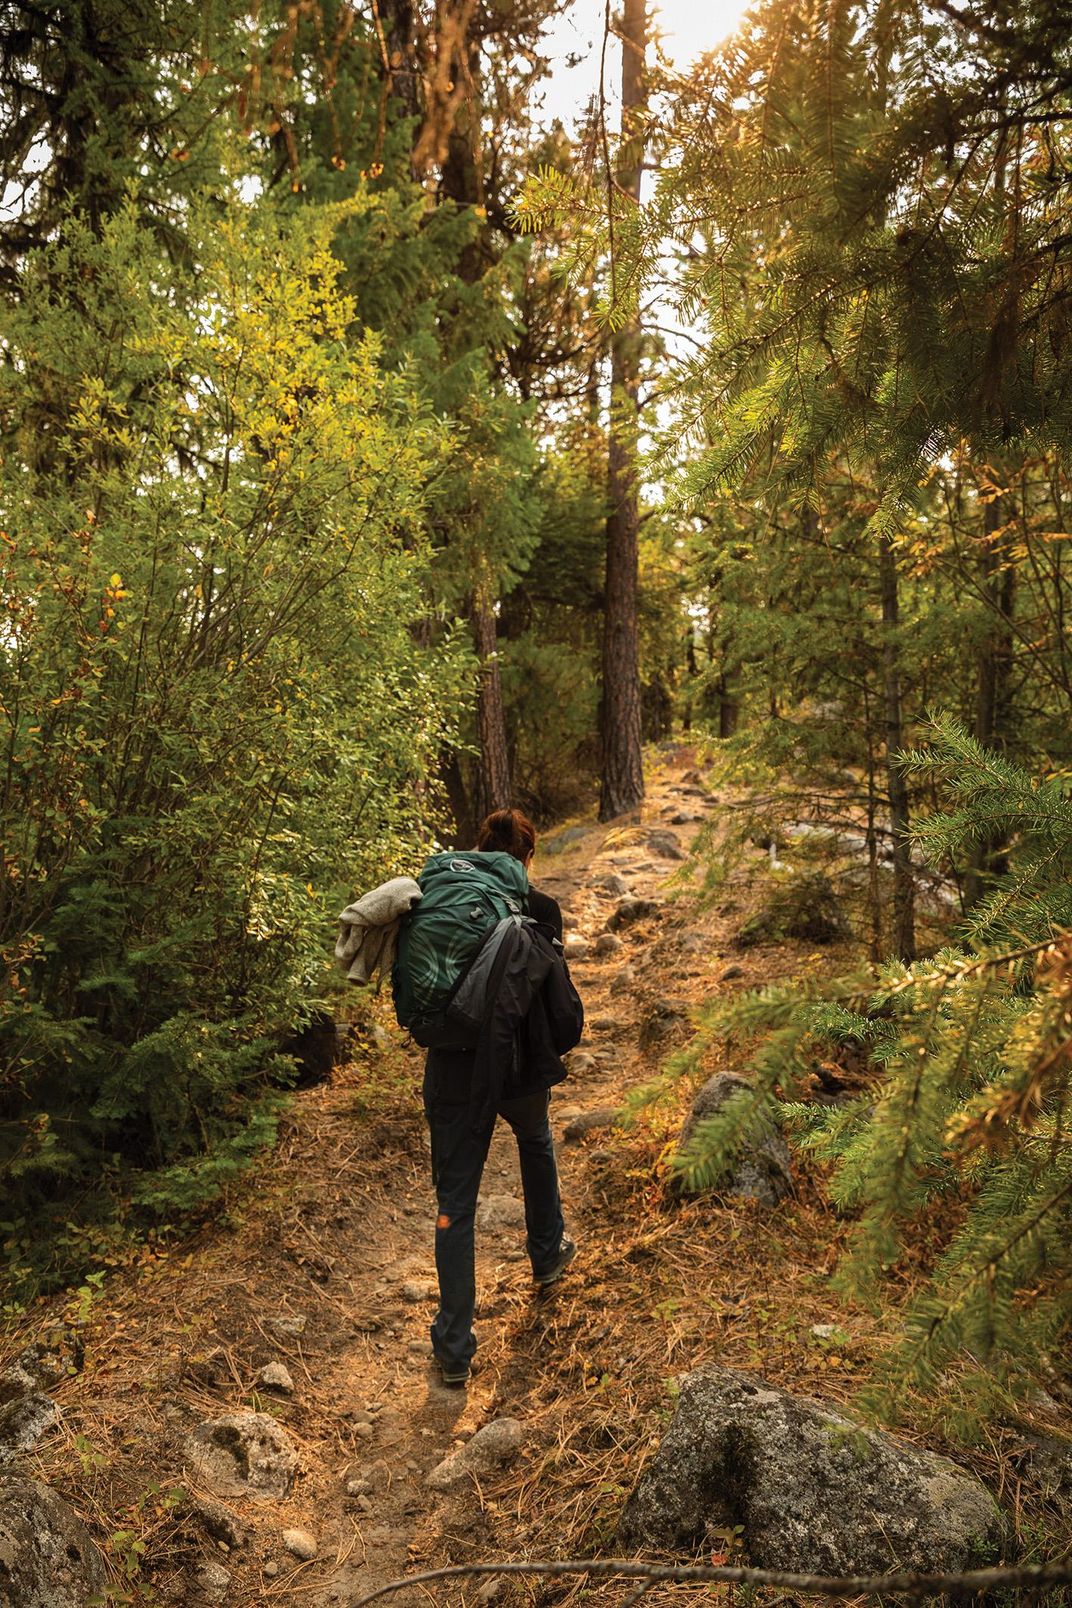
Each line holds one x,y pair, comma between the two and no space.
623,769
492,788
904,888
992,689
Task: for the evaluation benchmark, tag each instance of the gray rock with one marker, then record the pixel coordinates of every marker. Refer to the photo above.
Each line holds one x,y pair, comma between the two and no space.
566,839
666,845
581,1060
608,943
47,1556
35,1368
501,1211
275,1376
497,1444
666,1020
243,1454
761,1171
23,1422
730,973
575,947
288,1325
219,1523
686,817
590,1122
624,982
813,1490
418,1290
631,910
301,1543
612,883
212,1582
605,1024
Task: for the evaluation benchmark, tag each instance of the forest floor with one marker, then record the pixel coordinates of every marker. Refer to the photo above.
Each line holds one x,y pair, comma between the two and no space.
335,1228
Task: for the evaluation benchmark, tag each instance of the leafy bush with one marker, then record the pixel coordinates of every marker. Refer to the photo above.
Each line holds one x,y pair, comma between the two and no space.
215,716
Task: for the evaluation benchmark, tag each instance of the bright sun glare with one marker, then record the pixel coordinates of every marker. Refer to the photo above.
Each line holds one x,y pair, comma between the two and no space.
687,29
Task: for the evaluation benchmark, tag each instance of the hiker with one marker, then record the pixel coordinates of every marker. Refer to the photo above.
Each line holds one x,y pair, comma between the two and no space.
463,1096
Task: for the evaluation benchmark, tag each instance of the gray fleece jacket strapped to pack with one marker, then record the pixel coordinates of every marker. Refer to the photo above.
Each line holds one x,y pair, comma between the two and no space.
368,935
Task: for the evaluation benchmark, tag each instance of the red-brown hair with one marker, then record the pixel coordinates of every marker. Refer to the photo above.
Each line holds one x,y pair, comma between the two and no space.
509,832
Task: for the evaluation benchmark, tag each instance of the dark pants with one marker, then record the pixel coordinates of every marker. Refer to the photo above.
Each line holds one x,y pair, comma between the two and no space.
458,1157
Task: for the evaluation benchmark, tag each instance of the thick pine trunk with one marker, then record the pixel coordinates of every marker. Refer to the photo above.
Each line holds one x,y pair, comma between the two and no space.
623,771
904,889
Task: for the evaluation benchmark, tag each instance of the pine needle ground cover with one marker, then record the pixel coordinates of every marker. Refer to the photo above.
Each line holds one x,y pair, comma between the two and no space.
335,1222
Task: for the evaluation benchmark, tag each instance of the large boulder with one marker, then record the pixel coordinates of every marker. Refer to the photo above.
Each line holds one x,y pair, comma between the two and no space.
813,1491
243,1454
761,1170
47,1556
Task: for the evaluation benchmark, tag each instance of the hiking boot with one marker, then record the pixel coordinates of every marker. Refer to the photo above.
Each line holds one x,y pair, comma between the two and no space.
567,1250
454,1375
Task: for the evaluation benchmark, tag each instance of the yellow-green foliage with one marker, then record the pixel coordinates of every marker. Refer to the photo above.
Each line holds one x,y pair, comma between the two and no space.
215,719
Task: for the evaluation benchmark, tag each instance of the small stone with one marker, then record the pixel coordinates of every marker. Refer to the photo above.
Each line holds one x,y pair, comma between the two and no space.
624,982
420,1348
605,1024
694,943
614,884
730,973
490,1589
274,1376
501,1211
589,1122
575,947
631,910
213,1581
364,1504
219,1523
364,1431
824,1331
497,1444
271,1569
581,1060
608,943
301,1543
358,1487
291,1325
417,1290
666,845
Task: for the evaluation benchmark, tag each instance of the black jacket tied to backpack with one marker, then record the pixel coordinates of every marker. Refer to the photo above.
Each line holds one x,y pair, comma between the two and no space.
533,1015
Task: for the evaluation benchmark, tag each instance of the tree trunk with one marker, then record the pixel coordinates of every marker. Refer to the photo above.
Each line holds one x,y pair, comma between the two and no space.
904,890
623,769
992,693
492,791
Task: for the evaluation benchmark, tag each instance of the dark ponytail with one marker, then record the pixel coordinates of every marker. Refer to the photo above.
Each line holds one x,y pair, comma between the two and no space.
509,832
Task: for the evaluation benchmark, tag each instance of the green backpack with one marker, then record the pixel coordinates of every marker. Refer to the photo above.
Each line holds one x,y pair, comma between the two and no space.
464,896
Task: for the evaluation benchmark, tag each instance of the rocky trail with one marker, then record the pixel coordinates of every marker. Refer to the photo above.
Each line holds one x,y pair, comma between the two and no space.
251,1416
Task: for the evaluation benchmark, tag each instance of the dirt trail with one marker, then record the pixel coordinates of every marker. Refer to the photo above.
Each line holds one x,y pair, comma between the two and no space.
337,1230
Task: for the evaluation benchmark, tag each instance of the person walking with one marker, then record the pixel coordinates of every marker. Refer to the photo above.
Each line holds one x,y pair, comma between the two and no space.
460,1149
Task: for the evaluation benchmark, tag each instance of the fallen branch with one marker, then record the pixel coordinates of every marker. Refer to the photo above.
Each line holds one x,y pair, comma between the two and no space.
1024,1577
